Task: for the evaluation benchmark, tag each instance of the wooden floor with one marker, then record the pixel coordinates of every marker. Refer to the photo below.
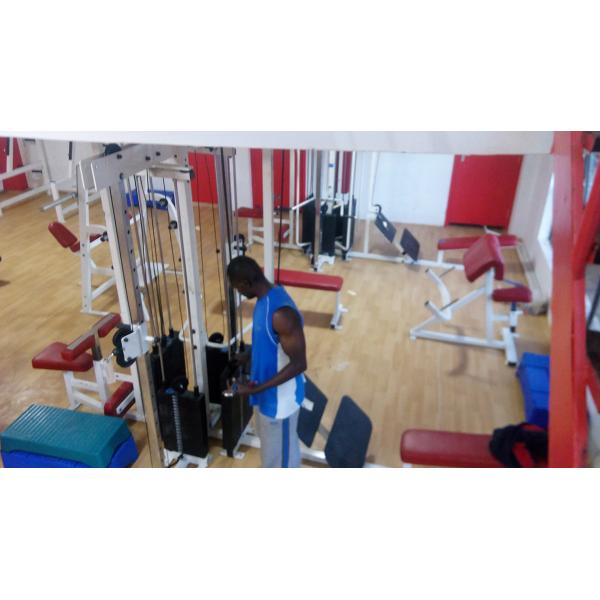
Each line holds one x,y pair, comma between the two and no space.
400,383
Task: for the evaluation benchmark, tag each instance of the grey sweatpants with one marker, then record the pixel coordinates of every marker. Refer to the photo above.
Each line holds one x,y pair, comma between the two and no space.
279,442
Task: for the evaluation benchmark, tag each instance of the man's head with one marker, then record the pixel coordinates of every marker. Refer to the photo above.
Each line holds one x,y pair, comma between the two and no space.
246,276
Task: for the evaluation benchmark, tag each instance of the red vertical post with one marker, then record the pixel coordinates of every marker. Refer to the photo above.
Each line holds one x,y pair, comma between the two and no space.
568,368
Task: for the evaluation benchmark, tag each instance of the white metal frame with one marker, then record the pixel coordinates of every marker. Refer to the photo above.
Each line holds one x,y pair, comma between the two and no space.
40,165
449,307
78,390
106,174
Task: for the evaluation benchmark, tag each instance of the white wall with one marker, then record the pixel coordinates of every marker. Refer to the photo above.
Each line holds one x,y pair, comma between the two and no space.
57,154
529,215
411,188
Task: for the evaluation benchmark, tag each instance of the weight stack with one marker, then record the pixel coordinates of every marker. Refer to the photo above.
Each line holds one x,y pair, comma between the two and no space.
193,418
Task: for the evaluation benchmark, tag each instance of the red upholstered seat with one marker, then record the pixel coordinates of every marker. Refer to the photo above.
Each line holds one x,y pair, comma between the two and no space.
52,358
513,294
482,256
247,212
312,281
463,243
446,449
63,235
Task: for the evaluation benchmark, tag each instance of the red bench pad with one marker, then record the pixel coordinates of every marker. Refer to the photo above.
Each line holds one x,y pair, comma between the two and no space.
63,235
52,358
312,281
446,449
514,294
247,212
482,256
463,243
107,324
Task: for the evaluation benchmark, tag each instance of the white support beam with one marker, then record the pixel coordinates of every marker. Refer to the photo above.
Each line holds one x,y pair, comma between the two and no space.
267,170
436,142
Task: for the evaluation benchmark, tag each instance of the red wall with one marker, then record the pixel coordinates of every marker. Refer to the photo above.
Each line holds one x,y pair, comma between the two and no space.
482,190
204,184
14,183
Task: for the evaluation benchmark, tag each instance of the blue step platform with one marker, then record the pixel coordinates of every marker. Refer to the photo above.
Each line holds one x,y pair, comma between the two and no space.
534,376
46,436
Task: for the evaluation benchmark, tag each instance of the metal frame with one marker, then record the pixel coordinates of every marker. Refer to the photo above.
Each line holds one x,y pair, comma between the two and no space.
574,228
446,313
40,165
105,174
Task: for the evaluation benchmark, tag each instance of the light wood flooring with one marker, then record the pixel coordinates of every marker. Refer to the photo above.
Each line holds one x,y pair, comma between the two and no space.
400,383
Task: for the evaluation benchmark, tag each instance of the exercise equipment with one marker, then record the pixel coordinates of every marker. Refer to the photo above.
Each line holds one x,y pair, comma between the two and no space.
316,281
482,258
46,436
523,445
533,373
76,358
39,166
166,351
67,239
446,449
329,178
346,444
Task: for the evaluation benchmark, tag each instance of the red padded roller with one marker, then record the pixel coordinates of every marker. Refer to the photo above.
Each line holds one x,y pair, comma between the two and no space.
246,212
463,243
482,256
113,407
446,449
52,358
312,281
514,294
79,346
64,236
107,324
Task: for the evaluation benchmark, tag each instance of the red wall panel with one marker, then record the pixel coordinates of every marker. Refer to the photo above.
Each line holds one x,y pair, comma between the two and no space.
482,190
204,184
256,172
14,183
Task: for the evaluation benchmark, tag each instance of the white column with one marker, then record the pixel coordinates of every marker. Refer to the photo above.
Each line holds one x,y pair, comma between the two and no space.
267,173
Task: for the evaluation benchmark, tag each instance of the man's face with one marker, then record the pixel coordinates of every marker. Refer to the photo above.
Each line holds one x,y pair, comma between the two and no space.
244,287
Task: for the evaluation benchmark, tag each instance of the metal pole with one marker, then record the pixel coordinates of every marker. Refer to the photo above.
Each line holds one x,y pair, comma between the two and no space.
223,180
318,166
267,172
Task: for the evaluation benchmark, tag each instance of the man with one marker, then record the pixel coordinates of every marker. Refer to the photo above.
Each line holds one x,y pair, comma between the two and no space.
278,363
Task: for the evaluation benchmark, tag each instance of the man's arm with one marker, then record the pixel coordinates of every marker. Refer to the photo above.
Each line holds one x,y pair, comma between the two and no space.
288,326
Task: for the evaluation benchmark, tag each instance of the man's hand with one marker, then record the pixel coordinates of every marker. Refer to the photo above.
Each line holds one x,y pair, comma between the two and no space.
242,389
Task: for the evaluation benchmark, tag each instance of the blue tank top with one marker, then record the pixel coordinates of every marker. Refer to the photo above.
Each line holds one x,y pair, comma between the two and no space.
268,358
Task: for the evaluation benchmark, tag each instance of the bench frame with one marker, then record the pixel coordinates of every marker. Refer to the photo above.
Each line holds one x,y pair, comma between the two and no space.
449,307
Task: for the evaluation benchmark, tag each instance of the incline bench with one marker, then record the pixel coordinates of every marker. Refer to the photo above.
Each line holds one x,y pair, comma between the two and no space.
315,281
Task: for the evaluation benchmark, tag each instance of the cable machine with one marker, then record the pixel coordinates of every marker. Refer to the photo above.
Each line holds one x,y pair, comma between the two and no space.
165,341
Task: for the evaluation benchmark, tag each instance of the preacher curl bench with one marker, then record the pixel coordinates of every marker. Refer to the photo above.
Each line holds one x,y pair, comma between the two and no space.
75,358
484,257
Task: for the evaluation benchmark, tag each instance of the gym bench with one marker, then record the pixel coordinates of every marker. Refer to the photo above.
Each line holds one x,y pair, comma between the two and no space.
346,444
316,281
446,449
